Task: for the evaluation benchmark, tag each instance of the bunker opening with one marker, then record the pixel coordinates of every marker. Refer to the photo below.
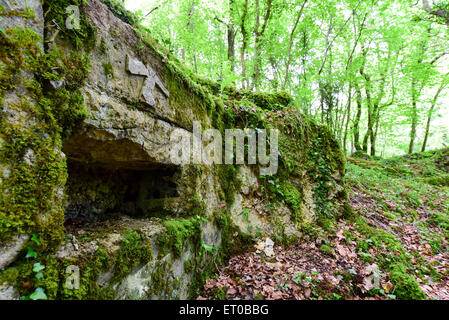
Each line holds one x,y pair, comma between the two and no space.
102,191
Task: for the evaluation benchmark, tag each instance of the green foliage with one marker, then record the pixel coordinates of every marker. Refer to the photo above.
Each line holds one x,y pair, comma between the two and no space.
441,180
134,250
118,8
84,37
397,185
178,231
29,199
228,181
293,198
39,294
406,286
441,220
326,249
37,268
394,72
32,153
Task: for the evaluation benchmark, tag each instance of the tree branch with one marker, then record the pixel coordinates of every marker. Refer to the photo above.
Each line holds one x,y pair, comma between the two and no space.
152,10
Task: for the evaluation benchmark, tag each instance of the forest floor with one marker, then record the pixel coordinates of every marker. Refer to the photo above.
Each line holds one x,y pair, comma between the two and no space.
394,247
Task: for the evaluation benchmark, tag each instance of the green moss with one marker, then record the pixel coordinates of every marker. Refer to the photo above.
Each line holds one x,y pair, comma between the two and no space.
398,264
327,250
27,13
379,236
58,112
196,206
293,198
188,94
119,10
440,220
103,46
308,149
29,192
18,274
189,265
326,223
89,289
178,232
405,286
348,211
134,250
440,180
82,38
229,182
233,241
265,100
108,70
161,284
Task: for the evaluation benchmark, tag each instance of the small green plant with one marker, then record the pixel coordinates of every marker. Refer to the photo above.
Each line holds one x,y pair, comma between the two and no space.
245,214
327,250
3,30
31,253
336,296
37,268
39,293
211,249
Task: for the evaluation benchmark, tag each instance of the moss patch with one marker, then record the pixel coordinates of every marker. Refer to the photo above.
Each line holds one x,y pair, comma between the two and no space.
134,250
178,231
29,201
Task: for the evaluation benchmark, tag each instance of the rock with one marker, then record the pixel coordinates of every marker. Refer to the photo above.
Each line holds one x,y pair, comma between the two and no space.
269,243
266,247
8,293
104,279
148,91
57,84
136,67
5,171
66,251
158,82
10,250
36,24
44,135
29,157
149,87
73,249
249,180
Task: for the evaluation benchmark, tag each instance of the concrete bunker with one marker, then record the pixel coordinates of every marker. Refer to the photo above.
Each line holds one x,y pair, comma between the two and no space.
98,190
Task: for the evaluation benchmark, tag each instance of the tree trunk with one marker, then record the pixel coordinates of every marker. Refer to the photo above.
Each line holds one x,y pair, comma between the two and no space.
440,12
191,12
348,117
231,34
429,117
414,119
258,37
290,46
373,137
356,127
244,43
231,45
370,120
